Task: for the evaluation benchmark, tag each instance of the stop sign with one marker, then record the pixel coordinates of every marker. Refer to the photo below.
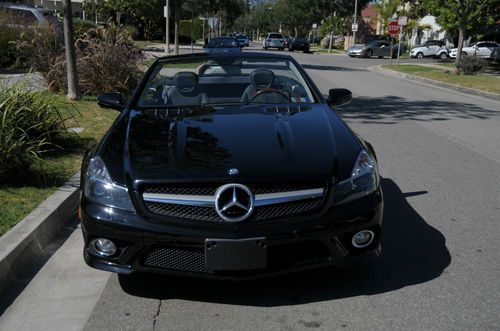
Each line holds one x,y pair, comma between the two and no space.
393,29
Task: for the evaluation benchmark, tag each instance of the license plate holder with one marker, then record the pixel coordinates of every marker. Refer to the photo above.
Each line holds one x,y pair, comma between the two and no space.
239,254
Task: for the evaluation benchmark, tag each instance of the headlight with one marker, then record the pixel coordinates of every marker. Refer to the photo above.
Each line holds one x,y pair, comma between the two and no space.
364,180
99,188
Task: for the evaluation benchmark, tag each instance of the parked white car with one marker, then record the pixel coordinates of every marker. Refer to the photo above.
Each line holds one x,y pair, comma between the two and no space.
482,49
435,48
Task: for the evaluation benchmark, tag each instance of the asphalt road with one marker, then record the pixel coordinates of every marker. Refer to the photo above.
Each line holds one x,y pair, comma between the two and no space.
439,155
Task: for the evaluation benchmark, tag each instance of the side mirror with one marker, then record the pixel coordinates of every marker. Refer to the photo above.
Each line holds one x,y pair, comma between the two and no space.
338,97
112,100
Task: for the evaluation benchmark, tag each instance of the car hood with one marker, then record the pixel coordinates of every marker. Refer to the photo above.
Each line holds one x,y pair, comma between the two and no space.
416,49
356,47
262,142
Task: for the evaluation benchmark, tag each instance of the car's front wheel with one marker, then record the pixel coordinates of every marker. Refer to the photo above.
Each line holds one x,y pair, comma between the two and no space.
420,55
369,53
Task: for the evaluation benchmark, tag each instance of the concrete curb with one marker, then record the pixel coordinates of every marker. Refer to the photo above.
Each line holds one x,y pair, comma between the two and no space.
461,89
29,237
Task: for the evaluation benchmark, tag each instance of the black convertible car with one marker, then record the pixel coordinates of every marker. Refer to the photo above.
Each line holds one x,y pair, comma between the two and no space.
229,166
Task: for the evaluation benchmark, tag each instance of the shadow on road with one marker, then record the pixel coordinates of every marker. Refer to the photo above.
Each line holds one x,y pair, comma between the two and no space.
393,109
330,68
413,253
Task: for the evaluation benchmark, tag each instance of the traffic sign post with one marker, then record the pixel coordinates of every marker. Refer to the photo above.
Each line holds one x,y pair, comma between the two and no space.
402,21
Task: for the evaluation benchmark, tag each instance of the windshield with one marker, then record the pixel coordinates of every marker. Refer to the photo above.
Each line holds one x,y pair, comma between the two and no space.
223,42
212,80
275,36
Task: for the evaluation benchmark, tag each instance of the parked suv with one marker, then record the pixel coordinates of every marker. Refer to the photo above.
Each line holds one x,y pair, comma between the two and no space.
30,15
435,48
274,40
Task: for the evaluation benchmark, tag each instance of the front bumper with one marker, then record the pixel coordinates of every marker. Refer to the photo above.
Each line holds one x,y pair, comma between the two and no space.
178,247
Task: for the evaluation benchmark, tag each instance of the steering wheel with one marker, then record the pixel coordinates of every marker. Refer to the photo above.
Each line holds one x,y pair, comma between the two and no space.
266,91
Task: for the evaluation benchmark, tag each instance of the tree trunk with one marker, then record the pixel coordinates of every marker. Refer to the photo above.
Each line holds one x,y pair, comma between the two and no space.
331,42
176,27
460,46
69,45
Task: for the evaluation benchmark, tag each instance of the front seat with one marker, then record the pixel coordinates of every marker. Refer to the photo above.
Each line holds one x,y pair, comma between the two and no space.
259,80
186,90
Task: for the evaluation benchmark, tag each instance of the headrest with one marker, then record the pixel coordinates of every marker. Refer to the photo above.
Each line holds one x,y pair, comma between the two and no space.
186,81
262,78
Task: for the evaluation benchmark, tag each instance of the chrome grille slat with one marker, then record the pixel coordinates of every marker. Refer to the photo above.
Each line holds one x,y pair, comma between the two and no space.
274,201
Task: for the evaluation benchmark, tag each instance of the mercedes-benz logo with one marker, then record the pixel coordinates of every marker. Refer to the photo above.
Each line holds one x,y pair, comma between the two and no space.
234,202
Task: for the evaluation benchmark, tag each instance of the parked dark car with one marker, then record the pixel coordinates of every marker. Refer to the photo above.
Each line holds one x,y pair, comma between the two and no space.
378,48
223,45
229,166
299,44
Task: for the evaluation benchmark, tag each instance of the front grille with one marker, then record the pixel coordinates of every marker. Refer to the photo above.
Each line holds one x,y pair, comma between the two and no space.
190,259
198,213
182,189
176,258
286,209
210,189
183,211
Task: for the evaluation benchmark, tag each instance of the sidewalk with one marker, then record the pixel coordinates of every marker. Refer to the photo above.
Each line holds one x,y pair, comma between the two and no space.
61,296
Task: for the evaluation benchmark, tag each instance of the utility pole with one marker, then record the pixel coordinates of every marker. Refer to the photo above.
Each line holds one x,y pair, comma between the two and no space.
355,14
167,33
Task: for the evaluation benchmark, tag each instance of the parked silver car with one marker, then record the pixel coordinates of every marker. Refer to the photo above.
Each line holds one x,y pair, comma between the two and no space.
378,48
30,15
435,48
482,49
274,40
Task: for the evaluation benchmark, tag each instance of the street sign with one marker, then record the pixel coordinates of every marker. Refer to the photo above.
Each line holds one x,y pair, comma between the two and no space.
212,22
355,27
393,29
403,20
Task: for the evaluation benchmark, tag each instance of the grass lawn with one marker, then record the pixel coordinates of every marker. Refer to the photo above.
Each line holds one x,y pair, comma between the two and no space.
145,43
59,165
480,82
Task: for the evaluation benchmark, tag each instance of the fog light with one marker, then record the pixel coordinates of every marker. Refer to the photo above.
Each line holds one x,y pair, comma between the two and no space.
363,238
103,247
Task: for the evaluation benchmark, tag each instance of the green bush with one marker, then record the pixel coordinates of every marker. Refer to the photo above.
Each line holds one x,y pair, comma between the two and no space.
471,65
30,123
106,61
82,26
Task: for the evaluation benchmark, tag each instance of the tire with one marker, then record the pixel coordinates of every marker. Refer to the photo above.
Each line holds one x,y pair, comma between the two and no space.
291,49
265,47
369,53
443,56
420,55
380,57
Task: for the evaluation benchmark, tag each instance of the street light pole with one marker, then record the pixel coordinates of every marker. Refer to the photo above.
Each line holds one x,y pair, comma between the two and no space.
354,32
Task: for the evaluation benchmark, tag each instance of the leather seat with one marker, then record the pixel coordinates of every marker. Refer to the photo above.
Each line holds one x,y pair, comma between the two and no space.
259,80
186,90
